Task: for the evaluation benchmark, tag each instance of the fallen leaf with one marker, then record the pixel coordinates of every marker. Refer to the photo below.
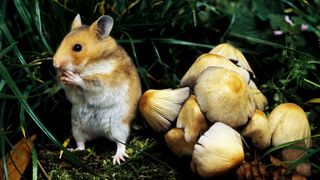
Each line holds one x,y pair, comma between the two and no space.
18,158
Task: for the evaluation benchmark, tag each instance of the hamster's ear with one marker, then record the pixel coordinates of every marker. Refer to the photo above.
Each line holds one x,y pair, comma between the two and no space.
102,26
76,22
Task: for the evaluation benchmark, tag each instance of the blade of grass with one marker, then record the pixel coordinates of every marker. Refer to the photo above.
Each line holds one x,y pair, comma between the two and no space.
2,141
64,7
311,82
268,43
316,166
168,41
181,42
2,83
3,13
26,18
158,59
192,5
133,48
34,158
284,145
9,37
229,27
39,26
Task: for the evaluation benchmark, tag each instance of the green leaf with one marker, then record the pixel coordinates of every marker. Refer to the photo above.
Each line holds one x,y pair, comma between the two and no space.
262,8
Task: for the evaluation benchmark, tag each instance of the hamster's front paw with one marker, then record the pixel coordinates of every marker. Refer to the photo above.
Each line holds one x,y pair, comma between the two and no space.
71,78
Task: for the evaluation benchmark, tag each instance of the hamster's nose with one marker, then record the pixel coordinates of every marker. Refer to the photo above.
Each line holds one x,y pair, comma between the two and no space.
56,65
59,63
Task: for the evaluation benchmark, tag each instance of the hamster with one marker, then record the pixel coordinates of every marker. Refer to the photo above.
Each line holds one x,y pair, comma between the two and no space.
101,82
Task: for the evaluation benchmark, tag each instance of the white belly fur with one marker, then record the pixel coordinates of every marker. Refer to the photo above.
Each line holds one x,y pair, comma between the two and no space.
93,120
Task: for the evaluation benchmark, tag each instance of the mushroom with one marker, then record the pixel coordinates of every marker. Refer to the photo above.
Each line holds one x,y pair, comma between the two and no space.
210,60
176,142
192,120
224,96
259,99
258,130
217,152
161,107
228,51
232,53
288,122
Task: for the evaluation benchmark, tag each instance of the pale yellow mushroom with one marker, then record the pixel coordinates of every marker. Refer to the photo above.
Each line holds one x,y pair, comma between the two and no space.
161,107
192,120
258,97
230,52
288,122
258,130
224,96
210,60
176,142
217,152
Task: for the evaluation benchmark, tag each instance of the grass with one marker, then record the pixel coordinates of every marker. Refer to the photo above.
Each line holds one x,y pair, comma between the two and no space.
163,38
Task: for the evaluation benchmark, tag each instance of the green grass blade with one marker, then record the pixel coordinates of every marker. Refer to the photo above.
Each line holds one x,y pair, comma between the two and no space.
311,82
169,41
2,83
316,166
284,145
7,49
268,43
34,158
133,48
3,158
24,14
39,26
3,14
158,59
181,42
12,42
2,141
233,18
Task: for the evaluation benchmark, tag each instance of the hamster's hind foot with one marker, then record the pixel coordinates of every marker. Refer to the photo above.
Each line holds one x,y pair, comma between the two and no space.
120,154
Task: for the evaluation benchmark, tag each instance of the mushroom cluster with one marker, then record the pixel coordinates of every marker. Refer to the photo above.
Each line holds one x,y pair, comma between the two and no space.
217,103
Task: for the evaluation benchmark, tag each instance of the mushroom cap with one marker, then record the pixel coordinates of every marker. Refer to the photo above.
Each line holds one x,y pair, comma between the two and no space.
258,130
230,52
224,96
288,122
174,139
218,151
210,60
192,120
259,99
161,107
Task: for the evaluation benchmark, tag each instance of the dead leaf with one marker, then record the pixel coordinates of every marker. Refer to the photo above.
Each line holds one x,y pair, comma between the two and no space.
18,158
276,162
241,173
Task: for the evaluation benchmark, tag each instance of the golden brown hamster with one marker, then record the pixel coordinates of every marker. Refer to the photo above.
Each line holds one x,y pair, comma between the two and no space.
101,82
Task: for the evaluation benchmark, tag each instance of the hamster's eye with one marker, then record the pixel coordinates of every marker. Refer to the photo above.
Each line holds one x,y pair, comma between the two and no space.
77,47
